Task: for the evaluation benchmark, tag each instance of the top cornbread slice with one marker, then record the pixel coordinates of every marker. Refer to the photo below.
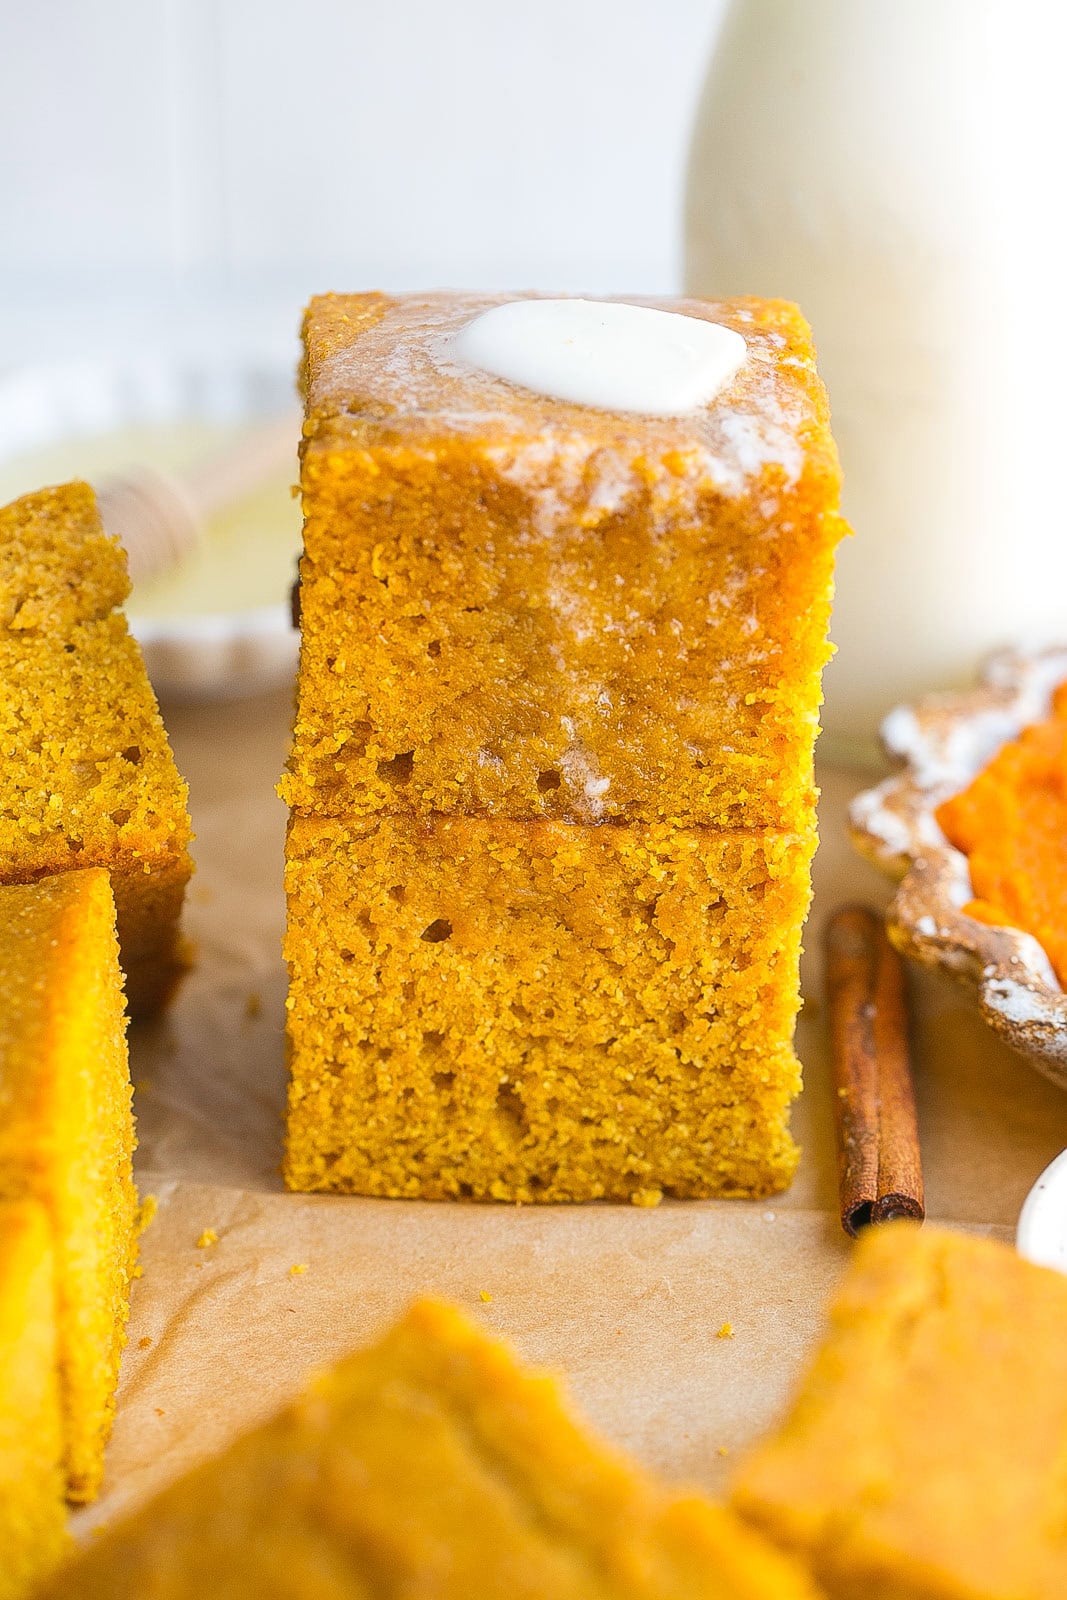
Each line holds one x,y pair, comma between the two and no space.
925,1457
57,565
525,607
87,777
430,1467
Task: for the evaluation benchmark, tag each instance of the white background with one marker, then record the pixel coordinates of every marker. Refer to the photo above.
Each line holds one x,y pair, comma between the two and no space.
161,158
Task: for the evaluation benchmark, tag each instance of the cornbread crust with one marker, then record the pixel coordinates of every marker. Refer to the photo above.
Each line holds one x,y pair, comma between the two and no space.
925,1456
66,1131
539,1010
525,608
86,773
32,1518
429,1466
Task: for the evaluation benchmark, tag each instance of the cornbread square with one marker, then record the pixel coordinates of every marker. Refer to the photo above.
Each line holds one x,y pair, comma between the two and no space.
87,777
32,1516
539,1010
523,607
430,1467
66,1132
925,1455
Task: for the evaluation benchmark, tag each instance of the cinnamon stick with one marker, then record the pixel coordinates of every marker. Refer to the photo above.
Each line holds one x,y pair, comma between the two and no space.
879,1165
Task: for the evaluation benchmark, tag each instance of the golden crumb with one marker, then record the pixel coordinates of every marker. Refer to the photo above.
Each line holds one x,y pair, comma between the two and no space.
143,1344
723,1450
646,1197
297,1269
726,1331
485,1296
159,1411
146,1215
208,1237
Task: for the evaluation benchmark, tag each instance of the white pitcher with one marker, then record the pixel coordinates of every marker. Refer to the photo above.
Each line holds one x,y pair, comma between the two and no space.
898,168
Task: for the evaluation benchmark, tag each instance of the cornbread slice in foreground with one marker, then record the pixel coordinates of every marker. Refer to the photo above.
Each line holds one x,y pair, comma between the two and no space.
525,607
87,777
32,1513
429,1467
541,1011
66,1131
925,1457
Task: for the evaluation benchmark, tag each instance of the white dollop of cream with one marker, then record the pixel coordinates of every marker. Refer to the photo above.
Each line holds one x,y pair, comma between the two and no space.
603,353
1042,1231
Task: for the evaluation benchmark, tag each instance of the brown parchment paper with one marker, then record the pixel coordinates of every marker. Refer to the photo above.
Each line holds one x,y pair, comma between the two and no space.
626,1303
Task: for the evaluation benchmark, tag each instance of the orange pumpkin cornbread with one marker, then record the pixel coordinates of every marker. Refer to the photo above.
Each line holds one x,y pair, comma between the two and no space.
551,773
1011,824
924,1456
573,985
86,776
432,1467
32,1514
66,1131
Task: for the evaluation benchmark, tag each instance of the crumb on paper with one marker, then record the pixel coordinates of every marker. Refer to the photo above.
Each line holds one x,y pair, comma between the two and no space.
141,1086
144,1344
253,1005
726,1331
208,1237
484,1295
159,1411
297,1268
723,1450
146,1214
138,1271
646,1197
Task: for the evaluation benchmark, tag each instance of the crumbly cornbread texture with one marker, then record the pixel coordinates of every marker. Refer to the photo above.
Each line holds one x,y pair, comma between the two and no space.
32,1516
523,607
551,773
429,1467
925,1457
86,773
541,1011
66,1131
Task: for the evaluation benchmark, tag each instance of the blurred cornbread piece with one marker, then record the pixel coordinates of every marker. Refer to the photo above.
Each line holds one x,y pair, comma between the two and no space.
925,1457
524,607
1011,823
32,1513
557,1013
66,1131
86,777
430,1466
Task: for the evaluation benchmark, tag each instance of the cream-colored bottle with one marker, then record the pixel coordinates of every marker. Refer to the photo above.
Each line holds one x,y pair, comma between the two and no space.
897,167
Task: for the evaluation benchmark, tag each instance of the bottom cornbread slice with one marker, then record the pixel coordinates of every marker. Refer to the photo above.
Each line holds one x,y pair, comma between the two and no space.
541,1011
66,1132
32,1513
925,1457
432,1467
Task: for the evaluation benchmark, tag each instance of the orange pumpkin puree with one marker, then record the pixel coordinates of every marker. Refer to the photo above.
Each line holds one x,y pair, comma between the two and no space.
1011,823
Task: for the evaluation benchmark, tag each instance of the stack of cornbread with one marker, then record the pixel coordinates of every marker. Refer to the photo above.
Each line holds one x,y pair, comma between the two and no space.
90,802
551,778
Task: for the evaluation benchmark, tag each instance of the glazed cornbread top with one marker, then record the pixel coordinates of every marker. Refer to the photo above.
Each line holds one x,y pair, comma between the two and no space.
388,364
520,606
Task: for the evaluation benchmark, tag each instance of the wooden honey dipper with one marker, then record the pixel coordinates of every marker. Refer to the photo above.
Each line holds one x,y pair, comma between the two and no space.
160,517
